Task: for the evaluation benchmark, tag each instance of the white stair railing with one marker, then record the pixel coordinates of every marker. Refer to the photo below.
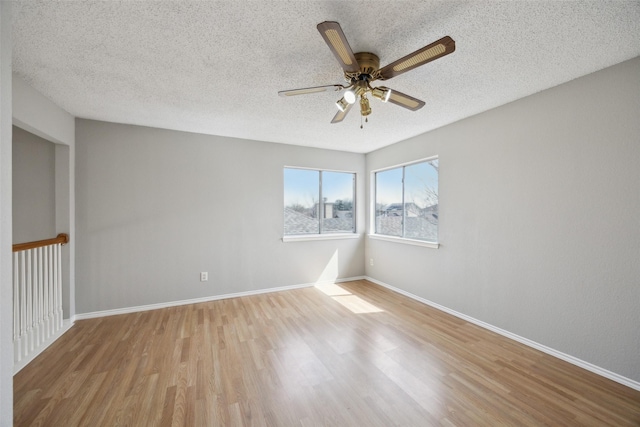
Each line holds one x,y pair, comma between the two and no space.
37,295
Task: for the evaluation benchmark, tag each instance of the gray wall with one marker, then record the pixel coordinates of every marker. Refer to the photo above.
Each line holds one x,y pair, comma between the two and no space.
34,198
539,219
6,288
154,208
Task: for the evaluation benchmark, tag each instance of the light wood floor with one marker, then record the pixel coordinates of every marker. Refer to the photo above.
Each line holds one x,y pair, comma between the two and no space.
353,355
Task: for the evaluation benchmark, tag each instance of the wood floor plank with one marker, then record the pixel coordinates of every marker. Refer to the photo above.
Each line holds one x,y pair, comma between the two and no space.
352,354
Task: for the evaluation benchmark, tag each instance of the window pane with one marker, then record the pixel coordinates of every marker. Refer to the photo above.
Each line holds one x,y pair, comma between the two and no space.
301,190
337,196
421,201
389,202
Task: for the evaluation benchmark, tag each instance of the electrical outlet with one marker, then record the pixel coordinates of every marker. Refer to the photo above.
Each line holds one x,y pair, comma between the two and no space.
371,262
204,276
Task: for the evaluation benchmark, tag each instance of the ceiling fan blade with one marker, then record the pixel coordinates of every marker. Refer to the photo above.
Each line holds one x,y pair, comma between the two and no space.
334,37
340,115
429,53
406,101
315,89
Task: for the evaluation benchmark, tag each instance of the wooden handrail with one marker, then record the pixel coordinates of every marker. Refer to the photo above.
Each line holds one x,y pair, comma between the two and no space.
61,238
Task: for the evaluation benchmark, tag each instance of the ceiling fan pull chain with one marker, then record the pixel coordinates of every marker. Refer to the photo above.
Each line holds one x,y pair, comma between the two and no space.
360,122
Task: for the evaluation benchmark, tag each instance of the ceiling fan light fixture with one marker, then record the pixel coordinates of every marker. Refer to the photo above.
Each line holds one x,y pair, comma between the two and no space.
365,108
342,104
382,93
350,96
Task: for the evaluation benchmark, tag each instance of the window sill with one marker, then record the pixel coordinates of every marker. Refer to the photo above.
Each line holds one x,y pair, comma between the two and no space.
328,236
405,241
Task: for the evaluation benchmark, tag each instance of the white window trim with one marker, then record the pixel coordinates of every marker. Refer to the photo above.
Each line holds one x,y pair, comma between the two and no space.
321,169
404,240
326,236
372,209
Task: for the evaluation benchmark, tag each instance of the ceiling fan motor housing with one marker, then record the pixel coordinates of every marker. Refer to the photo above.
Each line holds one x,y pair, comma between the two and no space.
369,63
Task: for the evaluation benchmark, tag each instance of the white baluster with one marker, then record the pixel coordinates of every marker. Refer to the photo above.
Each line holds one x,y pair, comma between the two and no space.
23,307
37,268
36,297
29,315
52,290
53,272
43,285
52,307
51,295
16,307
37,265
59,313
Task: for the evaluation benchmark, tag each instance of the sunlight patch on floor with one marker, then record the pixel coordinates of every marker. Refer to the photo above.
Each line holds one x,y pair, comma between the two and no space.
357,304
353,302
332,290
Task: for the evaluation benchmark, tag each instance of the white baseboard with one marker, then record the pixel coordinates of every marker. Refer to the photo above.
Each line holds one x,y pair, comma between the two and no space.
135,309
543,348
66,325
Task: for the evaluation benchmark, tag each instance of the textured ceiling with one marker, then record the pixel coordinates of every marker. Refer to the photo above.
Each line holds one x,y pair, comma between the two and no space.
216,67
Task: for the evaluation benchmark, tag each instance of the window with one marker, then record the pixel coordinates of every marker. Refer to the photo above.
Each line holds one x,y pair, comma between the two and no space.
318,202
406,201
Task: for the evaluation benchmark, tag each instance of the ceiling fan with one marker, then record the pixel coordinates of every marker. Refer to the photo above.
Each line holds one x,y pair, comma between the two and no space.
362,68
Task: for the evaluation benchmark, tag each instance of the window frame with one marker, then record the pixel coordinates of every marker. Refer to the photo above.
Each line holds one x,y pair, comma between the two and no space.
372,213
326,235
